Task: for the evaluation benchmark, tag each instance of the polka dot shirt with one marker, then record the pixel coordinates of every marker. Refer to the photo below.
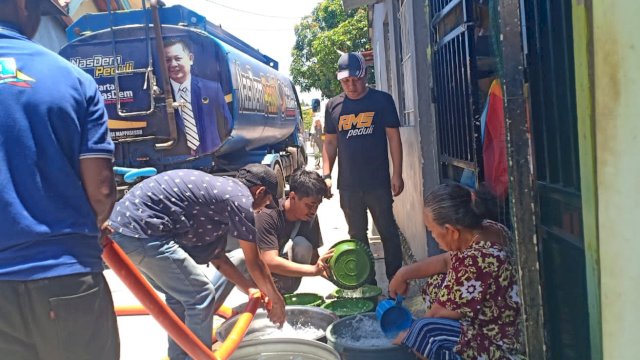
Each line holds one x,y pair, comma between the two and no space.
196,209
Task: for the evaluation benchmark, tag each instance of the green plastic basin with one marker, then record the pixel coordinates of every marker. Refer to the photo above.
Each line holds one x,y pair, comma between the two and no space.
303,299
348,307
351,264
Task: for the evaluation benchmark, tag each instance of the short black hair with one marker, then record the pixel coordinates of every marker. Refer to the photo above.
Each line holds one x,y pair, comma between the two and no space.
175,41
307,183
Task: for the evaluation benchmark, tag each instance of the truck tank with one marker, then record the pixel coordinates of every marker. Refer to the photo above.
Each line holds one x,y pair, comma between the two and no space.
199,98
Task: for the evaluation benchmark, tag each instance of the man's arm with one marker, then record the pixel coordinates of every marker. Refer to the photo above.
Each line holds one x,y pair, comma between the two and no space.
99,185
286,267
231,272
261,275
329,154
395,147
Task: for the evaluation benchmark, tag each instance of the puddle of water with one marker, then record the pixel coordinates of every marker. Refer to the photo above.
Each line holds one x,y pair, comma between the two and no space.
363,331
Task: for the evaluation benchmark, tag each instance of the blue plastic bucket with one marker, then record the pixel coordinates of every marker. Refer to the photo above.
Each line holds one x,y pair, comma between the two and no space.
393,317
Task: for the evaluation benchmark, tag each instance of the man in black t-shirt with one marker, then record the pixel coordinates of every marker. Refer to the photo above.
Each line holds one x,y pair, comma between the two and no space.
289,234
362,123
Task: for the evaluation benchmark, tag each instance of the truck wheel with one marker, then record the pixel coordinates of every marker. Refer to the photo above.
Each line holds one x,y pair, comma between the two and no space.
277,168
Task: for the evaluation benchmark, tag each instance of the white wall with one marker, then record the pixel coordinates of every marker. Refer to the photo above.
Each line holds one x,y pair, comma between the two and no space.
617,113
407,206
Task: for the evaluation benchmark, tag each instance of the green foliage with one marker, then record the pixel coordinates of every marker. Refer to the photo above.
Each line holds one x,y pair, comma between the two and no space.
319,36
307,118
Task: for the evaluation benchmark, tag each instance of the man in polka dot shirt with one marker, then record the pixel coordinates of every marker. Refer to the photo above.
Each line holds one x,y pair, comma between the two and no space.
170,223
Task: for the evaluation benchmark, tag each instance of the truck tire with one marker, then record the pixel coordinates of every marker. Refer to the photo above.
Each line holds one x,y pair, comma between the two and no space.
277,168
302,158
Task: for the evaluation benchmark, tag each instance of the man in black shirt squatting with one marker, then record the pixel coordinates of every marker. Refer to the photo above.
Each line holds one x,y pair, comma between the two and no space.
289,234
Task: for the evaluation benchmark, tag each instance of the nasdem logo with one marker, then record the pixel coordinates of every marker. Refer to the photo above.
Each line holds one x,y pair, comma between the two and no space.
357,125
9,74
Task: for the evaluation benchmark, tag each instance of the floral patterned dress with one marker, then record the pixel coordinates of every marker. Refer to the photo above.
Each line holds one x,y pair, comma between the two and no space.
481,285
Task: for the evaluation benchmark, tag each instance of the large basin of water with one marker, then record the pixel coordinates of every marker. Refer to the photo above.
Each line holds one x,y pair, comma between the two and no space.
284,349
359,337
303,322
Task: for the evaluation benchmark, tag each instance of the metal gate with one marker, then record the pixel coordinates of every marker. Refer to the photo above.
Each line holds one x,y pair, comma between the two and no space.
455,88
550,70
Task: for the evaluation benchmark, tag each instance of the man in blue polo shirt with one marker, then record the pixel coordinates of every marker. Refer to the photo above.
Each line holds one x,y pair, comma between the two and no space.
170,223
56,192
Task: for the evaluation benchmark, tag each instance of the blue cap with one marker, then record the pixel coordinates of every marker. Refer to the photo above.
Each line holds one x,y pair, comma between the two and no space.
351,64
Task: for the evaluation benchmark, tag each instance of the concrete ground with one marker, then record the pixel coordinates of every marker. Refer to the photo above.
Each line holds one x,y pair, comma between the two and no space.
142,338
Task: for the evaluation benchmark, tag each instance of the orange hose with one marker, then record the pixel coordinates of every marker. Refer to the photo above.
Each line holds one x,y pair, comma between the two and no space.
232,341
131,277
130,310
224,312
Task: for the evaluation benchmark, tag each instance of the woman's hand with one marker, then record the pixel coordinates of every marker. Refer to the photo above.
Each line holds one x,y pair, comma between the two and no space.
398,285
399,338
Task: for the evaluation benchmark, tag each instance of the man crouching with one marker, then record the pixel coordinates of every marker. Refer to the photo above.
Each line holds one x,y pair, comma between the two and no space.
288,233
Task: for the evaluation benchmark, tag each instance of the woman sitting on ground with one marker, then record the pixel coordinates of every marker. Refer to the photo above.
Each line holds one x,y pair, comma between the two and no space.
474,304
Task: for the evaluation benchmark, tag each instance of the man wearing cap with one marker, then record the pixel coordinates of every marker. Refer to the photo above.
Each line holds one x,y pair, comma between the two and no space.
362,123
56,192
170,223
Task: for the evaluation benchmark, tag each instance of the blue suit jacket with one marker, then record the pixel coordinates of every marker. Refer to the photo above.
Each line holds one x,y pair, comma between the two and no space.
211,113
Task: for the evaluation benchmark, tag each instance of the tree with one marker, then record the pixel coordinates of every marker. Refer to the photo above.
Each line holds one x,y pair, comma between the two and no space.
319,37
307,118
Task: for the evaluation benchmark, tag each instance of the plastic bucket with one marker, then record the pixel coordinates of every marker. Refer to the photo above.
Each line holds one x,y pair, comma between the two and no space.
393,317
278,349
308,299
351,264
307,317
358,337
348,307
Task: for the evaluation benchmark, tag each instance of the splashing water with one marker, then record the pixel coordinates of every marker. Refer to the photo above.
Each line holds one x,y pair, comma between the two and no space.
288,331
363,331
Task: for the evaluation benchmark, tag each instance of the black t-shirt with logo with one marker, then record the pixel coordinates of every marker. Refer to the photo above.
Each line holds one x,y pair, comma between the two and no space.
362,140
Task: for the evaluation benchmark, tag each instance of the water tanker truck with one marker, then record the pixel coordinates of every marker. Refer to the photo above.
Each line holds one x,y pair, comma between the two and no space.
182,92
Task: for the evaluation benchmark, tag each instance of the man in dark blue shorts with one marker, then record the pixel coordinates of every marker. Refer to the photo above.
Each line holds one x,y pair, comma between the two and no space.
172,223
362,123
56,192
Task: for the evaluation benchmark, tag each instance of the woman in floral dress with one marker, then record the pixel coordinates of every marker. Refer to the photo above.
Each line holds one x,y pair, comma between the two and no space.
473,303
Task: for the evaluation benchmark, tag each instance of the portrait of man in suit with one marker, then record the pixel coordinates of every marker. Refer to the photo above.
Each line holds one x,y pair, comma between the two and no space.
203,119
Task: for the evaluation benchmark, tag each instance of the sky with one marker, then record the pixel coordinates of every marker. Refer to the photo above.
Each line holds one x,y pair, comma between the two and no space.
265,25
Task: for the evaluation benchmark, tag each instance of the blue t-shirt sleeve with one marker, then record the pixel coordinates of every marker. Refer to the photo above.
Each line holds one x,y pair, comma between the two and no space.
391,119
241,222
95,140
329,125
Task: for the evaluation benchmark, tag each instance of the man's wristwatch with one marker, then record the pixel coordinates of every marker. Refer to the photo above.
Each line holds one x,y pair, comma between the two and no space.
326,177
